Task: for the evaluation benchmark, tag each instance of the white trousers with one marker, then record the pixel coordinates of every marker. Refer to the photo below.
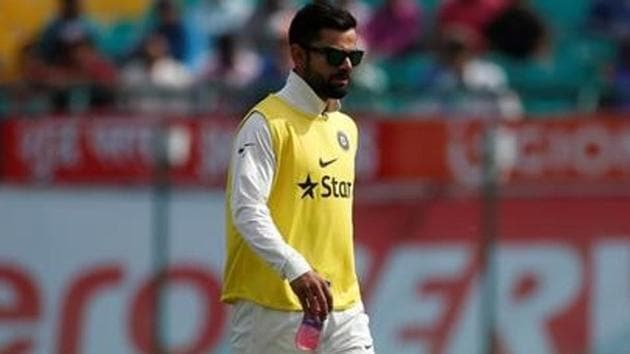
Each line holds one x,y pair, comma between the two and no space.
259,330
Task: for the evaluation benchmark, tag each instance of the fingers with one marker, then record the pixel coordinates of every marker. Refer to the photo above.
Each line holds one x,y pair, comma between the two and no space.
302,297
321,300
314,295
301,288
311,300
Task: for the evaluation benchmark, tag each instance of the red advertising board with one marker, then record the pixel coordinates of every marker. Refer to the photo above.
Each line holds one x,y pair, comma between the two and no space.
115,150
123,150
575,150
562,266
560,281
560,285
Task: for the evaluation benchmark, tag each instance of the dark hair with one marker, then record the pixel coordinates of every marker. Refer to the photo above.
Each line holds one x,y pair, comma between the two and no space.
314,17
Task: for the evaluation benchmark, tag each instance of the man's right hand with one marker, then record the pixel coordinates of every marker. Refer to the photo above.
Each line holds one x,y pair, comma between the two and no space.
314,294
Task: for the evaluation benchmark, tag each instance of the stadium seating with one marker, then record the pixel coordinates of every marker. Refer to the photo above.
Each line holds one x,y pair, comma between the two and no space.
570,78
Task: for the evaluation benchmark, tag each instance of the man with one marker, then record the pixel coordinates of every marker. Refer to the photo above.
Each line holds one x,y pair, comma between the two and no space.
66,28
289,200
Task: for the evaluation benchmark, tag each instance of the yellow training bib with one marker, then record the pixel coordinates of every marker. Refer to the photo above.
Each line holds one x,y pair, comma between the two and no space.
310,203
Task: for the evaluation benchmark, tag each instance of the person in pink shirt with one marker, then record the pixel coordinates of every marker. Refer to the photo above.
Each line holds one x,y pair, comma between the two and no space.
472,15
394,28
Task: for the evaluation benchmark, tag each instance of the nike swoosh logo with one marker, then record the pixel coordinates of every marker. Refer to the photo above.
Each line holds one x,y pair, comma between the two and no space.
323,163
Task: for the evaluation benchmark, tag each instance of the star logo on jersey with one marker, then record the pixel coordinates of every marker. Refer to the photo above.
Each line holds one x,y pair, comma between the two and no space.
308,187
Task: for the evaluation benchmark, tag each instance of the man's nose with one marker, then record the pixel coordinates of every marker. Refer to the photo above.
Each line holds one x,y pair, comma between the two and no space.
346,64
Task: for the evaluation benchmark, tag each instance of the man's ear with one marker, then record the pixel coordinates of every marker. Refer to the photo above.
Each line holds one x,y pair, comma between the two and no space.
298,55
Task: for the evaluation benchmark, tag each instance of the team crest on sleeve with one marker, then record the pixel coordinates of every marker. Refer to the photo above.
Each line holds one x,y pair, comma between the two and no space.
343,141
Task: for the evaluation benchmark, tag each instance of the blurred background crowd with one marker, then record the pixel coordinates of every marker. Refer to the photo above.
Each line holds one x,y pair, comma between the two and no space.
511,59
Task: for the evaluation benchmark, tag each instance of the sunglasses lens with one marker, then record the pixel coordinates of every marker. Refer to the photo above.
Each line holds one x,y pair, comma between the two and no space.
335,57
355,57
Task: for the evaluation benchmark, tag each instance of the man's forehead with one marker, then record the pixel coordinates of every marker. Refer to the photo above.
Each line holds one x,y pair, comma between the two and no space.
332,36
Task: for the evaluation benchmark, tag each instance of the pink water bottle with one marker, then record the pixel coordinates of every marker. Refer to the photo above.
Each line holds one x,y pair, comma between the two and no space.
307,337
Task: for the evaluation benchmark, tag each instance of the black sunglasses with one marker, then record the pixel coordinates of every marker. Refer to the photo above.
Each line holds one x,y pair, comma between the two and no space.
336,57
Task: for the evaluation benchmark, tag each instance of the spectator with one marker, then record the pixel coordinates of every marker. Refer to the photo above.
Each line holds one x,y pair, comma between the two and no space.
517,31
276,64
609,22
91,68
91,63
33,69
610,17
394,28
155,81
163,20
206,20
233,64
170,27
621,78
68,63
69,25
465,83
260,28
233,68
472,15
31,89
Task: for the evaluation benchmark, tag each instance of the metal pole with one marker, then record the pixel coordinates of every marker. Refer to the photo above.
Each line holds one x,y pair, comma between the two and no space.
160,225
489,218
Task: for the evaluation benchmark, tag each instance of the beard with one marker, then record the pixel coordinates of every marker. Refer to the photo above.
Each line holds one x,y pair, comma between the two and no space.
326,88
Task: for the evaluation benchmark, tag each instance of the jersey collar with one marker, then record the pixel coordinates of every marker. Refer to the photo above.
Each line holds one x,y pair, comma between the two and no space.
298,93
